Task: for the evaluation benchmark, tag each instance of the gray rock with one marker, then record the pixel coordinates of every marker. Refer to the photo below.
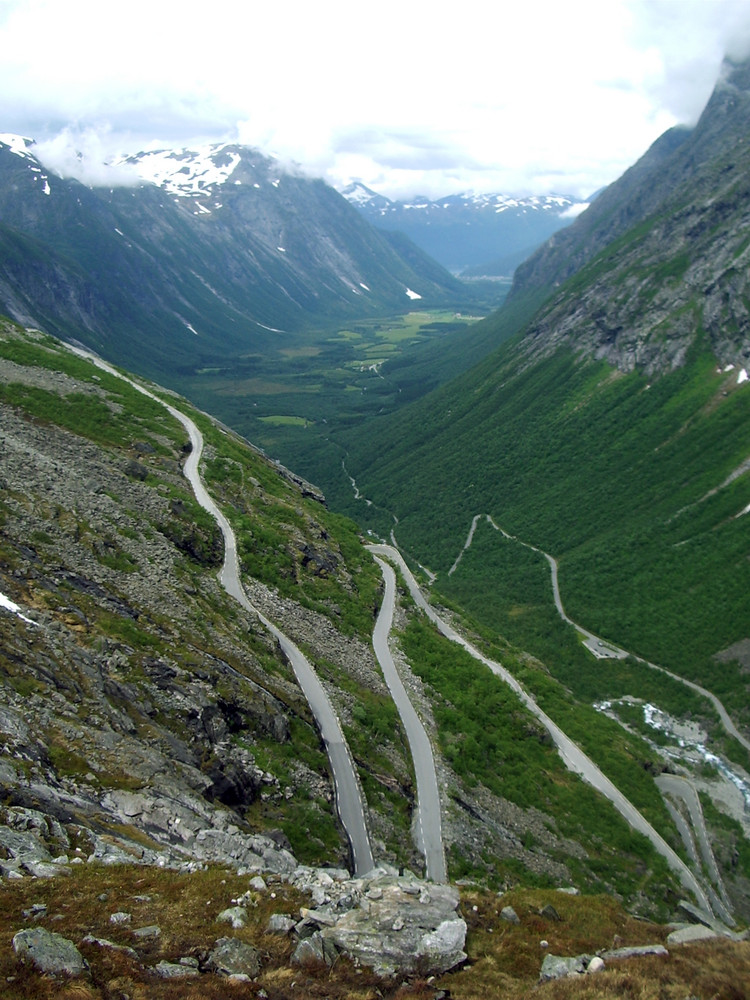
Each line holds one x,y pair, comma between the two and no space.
695,932
557,967
104,943
46,869
549,913
279,923
51,953
173,970
145,933
509,914
314,950
230,957
595,965
323,917
119,918
234,915
430,937
635,951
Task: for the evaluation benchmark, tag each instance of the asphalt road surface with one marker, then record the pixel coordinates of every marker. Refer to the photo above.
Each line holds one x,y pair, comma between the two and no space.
428,820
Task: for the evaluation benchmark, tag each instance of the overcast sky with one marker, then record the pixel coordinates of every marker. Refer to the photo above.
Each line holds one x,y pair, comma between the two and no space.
409,96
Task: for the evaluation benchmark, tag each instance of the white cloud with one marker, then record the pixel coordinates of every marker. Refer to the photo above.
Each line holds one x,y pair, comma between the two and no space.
84,154
536,96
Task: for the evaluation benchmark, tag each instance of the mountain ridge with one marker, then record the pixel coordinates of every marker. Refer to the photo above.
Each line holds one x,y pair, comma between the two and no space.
159,273
467,230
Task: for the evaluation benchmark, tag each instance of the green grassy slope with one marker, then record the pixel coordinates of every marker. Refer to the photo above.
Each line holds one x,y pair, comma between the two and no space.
626,482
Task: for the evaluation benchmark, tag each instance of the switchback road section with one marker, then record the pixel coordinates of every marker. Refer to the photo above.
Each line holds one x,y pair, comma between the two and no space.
575,759
346,784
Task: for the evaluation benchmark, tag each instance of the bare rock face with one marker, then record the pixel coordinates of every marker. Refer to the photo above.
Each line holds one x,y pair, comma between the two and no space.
51,953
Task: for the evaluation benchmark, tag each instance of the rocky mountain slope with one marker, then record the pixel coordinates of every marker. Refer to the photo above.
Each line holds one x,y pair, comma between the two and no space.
200,253
145,715
661,257
489,234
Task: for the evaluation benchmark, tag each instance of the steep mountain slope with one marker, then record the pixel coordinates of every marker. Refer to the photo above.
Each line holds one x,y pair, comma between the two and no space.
203,253
612,433
146,715
665,251
469,230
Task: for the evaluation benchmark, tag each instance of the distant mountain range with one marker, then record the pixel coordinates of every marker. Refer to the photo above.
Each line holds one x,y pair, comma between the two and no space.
195,253
482,234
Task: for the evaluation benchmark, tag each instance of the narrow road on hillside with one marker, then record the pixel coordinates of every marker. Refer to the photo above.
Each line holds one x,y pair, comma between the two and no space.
680,788
602,647
574,758
346,785
428,821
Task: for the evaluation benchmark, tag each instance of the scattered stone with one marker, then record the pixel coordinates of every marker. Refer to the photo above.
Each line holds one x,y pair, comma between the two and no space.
258,884
104,943
51,953
431,935
279,923
509,914
694,932
46,869
323,917
557,967
234,915
549,913
173,970
595,965
145,933
635,951
230,957
121,917
569,890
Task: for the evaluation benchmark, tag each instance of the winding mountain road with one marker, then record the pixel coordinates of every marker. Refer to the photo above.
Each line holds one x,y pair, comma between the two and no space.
346,784
598,646
428,821
574,758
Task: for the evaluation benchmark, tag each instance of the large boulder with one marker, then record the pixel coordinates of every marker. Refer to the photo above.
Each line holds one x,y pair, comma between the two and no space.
51,953
401,925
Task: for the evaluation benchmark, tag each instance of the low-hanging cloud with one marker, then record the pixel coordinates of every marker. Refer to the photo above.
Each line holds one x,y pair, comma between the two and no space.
85,157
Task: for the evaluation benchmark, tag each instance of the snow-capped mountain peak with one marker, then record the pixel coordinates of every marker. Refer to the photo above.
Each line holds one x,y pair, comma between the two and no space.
187,173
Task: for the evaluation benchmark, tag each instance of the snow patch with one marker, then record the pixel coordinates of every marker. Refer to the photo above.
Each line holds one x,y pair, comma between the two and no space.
187,173
363,285
742,376
17,144
412,295
7,605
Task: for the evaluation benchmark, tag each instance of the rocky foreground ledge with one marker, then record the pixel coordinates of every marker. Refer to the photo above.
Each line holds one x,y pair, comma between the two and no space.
391,922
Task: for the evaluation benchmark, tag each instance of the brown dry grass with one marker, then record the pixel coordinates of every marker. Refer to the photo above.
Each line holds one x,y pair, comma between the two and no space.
504,959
